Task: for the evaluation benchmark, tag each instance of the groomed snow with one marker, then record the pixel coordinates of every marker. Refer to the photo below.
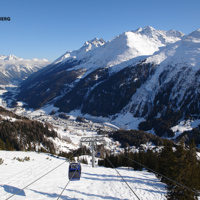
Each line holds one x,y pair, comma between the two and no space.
95,183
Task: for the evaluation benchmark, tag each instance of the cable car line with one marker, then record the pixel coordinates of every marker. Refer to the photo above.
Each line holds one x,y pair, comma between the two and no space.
112,166
36,180
71,177
20,172
67,184
123,179
41,176
162,175
30,168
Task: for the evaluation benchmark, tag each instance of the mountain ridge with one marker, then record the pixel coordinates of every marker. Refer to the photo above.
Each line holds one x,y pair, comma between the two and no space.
142,72
14,69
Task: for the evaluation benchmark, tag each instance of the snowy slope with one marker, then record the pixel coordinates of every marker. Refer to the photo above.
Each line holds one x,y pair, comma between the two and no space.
89,45
164,37
96,183
184,51
177,64
13,68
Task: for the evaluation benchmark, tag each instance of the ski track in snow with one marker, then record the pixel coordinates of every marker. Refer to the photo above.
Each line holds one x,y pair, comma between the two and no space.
95,183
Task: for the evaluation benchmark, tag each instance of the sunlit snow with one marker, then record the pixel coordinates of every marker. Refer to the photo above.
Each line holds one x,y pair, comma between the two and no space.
95,183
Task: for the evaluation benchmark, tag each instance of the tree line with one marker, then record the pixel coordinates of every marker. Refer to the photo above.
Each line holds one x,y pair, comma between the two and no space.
135,138
179,164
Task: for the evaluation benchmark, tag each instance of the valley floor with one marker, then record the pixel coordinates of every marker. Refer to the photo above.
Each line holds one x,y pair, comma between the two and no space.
95,183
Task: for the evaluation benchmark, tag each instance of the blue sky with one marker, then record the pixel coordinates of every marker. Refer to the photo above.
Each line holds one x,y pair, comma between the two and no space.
49,28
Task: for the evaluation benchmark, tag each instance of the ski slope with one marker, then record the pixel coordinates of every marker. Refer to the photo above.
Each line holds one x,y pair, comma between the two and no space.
96,183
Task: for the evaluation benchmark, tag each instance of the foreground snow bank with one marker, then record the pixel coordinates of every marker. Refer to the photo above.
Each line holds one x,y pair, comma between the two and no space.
95,183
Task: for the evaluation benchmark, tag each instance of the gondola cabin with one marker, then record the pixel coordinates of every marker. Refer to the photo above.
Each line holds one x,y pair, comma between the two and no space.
74,171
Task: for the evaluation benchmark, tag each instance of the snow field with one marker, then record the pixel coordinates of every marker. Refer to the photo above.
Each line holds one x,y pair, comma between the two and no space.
95,183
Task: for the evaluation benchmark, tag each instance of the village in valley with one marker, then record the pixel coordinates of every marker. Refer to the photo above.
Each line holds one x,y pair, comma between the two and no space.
70,128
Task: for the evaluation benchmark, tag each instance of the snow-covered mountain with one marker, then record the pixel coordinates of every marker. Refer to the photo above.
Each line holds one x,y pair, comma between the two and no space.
144,73
129,45
176,75
89,45
13,68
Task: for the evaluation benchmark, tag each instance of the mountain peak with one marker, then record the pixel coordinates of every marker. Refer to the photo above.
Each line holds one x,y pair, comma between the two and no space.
2,57
10,57
174,33
195,34
150,31
147,30
95,41
88,45
91,44
14,69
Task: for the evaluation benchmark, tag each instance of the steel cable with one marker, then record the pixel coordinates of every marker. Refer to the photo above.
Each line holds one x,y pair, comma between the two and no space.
69,179
66,185
41,176
36,180
123,179
162,175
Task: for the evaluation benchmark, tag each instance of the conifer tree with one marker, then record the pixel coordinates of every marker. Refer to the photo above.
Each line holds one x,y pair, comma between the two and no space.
151,160
136,158
185,173
194,166
8,147
166,161
2,145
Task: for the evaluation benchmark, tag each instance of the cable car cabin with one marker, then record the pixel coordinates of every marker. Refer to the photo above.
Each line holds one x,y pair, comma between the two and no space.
74,171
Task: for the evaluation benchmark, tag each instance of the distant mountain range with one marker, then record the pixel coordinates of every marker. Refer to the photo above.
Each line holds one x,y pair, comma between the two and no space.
146,73
14,69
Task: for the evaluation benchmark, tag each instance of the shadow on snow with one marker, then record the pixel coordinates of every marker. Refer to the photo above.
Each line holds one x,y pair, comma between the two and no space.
94,195
13,190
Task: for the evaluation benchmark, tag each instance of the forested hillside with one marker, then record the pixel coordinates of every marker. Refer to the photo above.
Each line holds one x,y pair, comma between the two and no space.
135,138
20,133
